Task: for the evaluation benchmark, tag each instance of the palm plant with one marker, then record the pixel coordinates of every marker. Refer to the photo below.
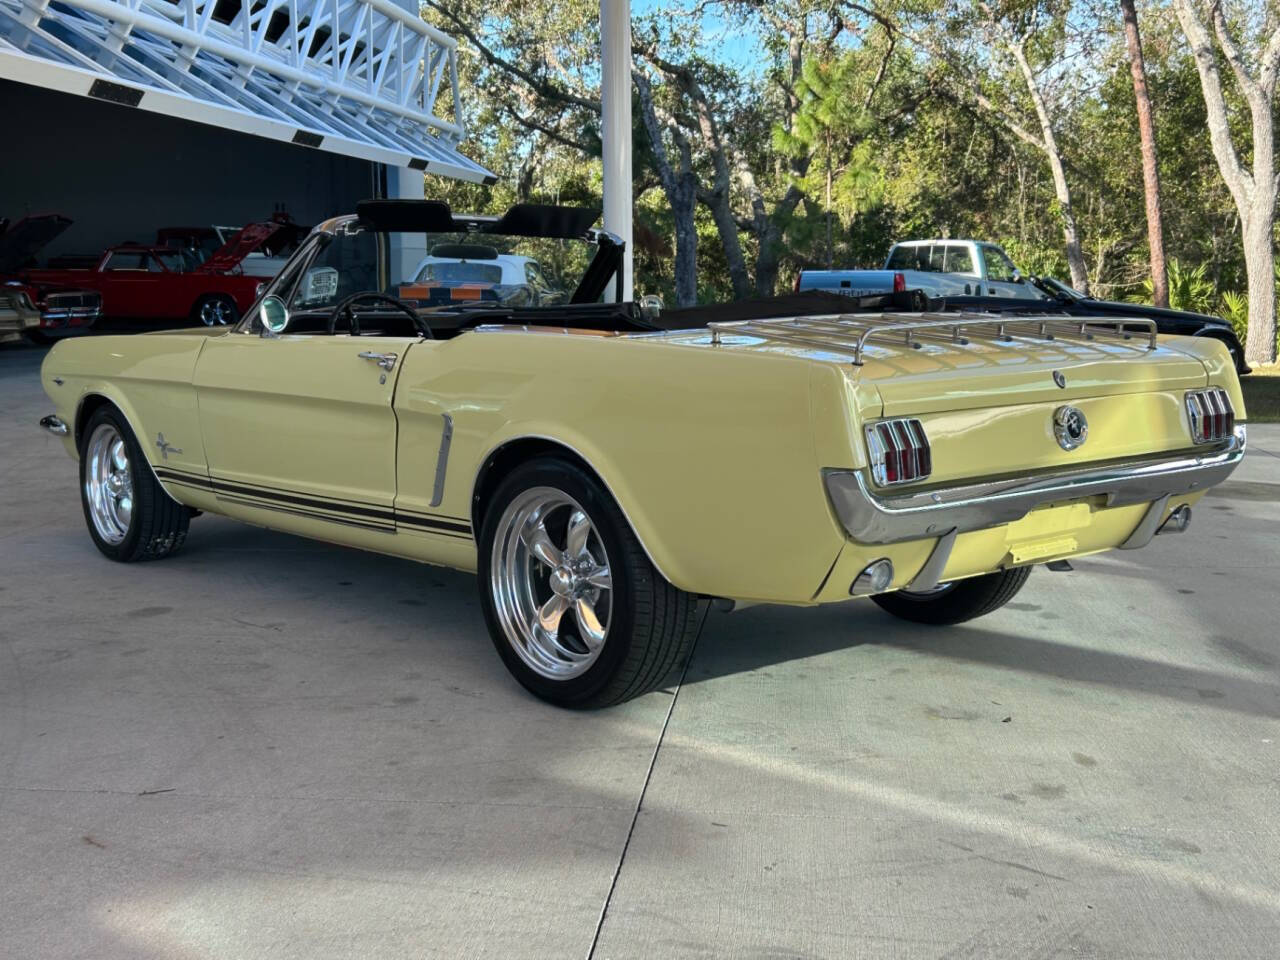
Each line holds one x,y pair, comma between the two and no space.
1189,289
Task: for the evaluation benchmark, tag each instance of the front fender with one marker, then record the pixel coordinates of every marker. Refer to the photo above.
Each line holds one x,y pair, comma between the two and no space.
147,378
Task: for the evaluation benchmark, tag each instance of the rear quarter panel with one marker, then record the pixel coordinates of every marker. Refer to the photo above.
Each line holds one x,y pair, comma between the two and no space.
711,454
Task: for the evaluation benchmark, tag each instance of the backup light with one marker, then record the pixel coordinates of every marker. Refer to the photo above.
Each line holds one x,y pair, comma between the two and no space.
875,578
1211,415
899,451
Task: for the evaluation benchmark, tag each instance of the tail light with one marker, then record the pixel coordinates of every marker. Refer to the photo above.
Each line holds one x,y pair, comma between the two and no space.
1212,418
899,283
899,451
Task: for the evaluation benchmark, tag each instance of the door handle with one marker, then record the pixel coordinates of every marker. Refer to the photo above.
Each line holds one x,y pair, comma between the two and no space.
385,360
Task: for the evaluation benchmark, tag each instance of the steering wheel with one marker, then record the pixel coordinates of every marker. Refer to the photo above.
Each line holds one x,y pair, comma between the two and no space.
353,322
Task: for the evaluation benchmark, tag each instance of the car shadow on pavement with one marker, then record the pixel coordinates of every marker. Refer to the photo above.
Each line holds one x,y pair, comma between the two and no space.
766,636
398,599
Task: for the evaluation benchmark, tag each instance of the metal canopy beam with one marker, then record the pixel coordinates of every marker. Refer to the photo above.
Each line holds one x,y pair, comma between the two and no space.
360,78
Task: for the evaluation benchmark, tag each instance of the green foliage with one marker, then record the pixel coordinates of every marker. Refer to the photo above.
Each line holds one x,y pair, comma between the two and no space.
1235,310
1037,260
1189,288
910,153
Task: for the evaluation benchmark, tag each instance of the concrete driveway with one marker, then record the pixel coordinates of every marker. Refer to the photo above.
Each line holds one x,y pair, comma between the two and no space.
267,747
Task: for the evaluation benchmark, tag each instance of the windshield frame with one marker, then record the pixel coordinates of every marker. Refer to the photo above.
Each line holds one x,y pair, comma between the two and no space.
608,245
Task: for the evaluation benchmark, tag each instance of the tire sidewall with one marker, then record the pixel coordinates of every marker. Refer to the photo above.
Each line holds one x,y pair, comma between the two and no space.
610,525
127,547
965,600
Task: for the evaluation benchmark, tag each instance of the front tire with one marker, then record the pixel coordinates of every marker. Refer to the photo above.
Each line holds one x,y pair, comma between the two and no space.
574,607
129,515
956,602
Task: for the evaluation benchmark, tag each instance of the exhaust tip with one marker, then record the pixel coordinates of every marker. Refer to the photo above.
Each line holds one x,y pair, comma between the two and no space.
875,578
1177,522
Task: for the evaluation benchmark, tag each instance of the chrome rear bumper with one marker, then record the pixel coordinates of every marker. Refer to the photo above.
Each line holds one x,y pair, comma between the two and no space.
871,518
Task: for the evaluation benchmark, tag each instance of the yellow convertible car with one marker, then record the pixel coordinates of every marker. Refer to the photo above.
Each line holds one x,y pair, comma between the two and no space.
606,468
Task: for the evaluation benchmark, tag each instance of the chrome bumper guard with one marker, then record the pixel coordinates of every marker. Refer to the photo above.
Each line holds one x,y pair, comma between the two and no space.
54,425
870,518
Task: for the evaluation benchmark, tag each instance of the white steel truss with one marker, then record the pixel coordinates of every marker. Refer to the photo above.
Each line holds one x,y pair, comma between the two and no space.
361,78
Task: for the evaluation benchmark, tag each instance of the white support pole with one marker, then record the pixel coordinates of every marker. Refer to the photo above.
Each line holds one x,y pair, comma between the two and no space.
615,104
407,249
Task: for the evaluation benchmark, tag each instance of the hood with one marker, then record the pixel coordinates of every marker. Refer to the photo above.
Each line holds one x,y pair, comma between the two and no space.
1116,308
228,256
1066,295
22,241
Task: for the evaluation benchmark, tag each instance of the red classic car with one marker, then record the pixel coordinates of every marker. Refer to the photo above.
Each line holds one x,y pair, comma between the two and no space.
140,282
39,310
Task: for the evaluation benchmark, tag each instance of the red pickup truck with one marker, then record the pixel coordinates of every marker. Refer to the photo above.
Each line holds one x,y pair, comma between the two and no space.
139,282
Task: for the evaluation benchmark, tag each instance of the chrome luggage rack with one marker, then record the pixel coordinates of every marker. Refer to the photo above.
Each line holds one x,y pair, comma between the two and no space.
850,333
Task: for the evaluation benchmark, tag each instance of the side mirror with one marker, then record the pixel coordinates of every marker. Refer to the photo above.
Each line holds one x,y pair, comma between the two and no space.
1017,275
274,316
651,306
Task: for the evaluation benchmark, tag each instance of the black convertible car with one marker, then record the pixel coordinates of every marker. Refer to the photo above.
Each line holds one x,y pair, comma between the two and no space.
1073,303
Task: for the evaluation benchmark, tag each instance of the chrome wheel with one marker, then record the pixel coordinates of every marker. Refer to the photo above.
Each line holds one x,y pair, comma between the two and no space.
551,585
108,483
216,313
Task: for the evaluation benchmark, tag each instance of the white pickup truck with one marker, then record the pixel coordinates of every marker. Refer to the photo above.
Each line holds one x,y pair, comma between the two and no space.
937,268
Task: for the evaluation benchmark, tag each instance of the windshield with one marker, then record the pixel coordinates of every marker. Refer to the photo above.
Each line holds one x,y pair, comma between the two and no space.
434,275
435,270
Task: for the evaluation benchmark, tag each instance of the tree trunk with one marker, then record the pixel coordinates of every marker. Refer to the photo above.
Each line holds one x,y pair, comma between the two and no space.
828,204
1254,192
681,189
1260,345
717,201
1150,170
686,264
1075,255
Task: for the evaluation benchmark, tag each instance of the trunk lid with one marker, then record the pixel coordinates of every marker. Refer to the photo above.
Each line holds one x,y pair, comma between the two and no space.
988,407
988,373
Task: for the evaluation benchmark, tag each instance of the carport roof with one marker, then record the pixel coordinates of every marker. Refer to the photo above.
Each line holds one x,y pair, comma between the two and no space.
360,78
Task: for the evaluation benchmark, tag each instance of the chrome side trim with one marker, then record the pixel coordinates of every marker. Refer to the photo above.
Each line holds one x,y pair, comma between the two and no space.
442,461
931,573
869,518
1146,528
54,425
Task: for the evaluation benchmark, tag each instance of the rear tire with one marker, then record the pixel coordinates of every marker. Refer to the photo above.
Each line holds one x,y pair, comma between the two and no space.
129,515
574,607
956,602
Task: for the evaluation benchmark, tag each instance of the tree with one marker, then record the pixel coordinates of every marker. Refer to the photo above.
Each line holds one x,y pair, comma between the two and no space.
1150,169
1254,65
681,187
990,49
835,127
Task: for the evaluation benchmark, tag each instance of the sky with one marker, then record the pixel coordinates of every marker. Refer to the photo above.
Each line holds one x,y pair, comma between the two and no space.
735,42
